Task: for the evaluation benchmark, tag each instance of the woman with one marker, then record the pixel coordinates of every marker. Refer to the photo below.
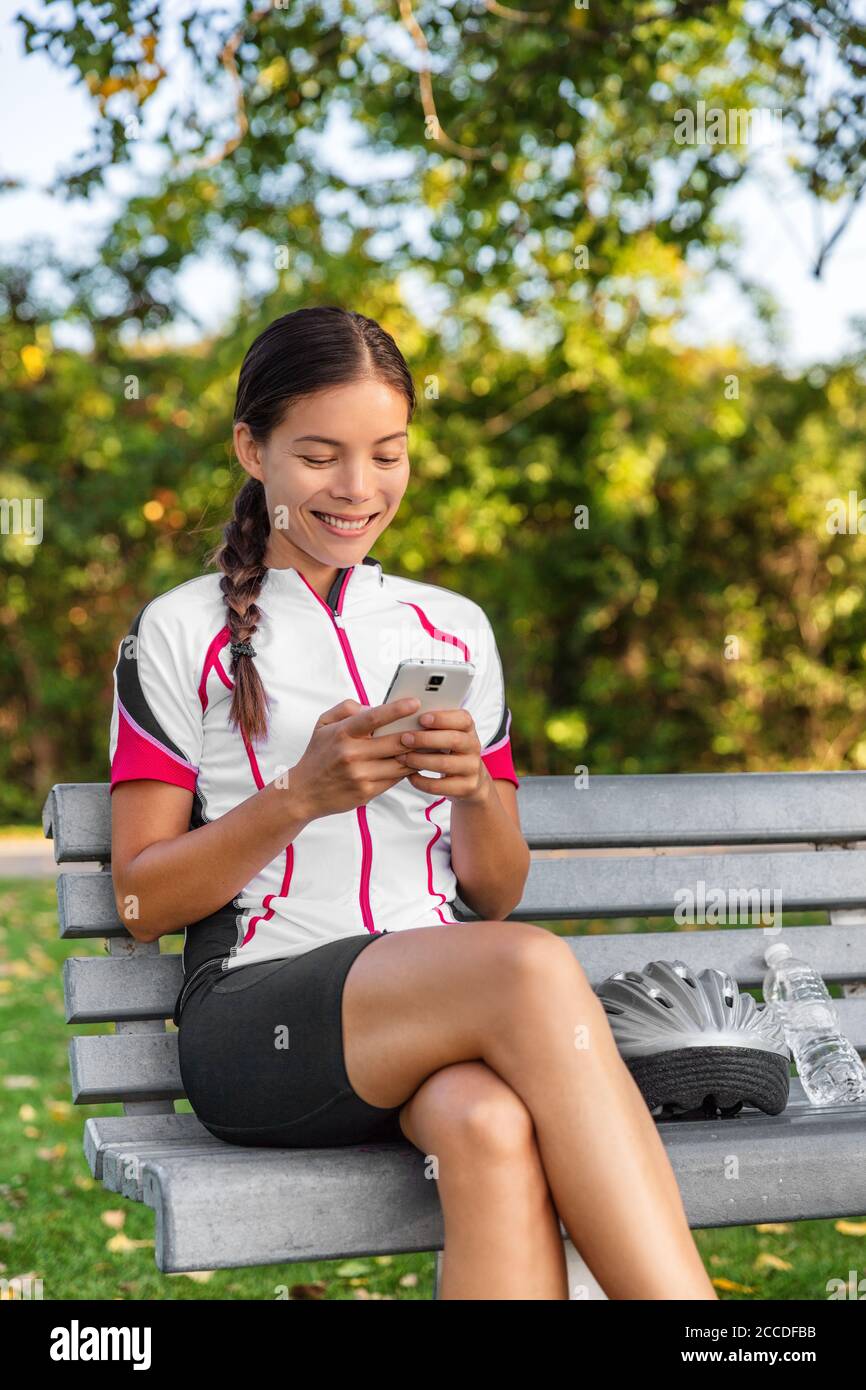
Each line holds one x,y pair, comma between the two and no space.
251,805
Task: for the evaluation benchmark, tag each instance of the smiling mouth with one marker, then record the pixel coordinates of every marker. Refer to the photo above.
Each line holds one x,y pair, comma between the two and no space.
348,525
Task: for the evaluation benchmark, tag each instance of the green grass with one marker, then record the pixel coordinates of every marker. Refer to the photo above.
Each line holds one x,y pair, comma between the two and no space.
57,1223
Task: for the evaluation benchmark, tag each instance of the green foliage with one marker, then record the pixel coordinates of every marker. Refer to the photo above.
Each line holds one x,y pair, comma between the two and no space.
706,478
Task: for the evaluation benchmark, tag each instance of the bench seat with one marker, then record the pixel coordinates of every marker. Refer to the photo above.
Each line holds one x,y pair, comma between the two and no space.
621,849
220,1205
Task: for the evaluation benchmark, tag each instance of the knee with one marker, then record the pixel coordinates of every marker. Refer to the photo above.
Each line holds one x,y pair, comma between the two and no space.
473,1113
496,1126
537,964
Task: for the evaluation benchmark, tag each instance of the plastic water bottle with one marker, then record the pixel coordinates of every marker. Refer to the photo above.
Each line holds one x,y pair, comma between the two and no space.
829,1066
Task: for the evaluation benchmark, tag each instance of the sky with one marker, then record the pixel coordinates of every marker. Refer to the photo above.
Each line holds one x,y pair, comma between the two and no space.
46,119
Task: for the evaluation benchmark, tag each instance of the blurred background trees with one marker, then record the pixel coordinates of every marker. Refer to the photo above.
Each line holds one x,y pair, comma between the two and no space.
645,522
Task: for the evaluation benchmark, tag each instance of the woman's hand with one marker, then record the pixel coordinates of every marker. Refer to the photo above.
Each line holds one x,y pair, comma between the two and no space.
343,766
454,749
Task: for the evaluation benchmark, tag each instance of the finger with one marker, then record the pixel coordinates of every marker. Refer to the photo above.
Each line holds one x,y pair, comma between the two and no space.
453,740
384,771
439,786
448,719
374,716
338,712
454,764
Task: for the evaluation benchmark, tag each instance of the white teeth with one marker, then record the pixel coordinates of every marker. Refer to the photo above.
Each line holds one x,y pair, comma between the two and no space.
341,524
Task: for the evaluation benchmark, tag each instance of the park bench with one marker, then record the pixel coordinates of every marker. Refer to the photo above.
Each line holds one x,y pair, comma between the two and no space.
641,841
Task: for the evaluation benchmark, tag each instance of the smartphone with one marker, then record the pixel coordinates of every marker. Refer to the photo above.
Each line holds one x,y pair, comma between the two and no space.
437,684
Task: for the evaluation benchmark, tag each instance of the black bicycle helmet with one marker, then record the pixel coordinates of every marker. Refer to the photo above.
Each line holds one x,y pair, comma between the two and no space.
694,1044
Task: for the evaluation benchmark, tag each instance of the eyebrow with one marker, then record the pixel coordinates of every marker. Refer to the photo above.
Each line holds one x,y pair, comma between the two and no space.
320,439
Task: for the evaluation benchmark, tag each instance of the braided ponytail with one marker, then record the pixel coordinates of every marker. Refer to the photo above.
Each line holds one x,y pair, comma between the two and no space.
242,560
300,353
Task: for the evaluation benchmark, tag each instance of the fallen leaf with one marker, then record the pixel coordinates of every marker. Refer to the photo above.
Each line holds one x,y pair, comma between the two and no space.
26,1112
308,1291
774,1228
408,1281
114,1218
18,1083
51,1154
850,1228
729,1286
767,1261
121,1244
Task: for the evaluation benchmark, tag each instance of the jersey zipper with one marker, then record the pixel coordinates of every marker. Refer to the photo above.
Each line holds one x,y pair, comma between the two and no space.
360,811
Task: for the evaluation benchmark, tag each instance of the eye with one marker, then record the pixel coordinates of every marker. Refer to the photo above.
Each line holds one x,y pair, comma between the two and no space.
310,460
384,460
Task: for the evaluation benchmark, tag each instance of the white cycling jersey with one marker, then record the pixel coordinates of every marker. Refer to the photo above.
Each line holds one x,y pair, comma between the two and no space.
385,865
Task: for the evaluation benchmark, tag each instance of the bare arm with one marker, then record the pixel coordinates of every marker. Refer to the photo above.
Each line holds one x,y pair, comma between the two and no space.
488,852
166,875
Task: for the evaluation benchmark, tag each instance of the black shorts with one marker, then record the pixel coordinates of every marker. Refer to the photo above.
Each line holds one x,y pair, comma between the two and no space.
261,1053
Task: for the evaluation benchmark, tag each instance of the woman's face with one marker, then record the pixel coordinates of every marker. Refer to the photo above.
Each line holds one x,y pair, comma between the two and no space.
341,453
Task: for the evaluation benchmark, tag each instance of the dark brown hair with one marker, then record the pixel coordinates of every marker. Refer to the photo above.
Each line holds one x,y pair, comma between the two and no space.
296,355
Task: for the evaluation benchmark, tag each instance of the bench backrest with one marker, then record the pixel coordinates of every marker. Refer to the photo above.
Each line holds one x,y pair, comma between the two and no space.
615,848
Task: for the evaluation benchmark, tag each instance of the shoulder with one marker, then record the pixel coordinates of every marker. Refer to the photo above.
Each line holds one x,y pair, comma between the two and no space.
185,605
184,619
439,599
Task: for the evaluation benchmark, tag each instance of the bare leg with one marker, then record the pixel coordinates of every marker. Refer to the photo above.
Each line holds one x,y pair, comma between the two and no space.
502,1236
512,995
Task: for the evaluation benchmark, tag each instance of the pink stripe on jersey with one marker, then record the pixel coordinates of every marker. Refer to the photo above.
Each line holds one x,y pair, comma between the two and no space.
139,755
212,661
360,811
435,631
268,899
431,890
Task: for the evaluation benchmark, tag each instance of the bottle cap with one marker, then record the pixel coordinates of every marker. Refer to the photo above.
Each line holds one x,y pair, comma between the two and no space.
778,951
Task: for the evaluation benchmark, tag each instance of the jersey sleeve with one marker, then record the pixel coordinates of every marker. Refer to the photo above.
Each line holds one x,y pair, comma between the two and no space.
486,702
156,721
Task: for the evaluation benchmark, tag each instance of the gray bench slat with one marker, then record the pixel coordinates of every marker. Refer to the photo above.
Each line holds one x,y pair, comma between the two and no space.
268,1206
144,1066
647,885
123,1167
124,1066
615,886
77,817
101,1131
668,809
353,1200
837,952
146,987
682,808
121,1161
116,990
86,906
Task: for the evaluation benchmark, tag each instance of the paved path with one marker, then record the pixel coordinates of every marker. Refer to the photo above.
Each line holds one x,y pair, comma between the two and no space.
26,856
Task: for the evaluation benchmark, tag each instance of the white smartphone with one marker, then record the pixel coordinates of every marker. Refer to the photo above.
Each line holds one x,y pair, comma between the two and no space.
437,684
